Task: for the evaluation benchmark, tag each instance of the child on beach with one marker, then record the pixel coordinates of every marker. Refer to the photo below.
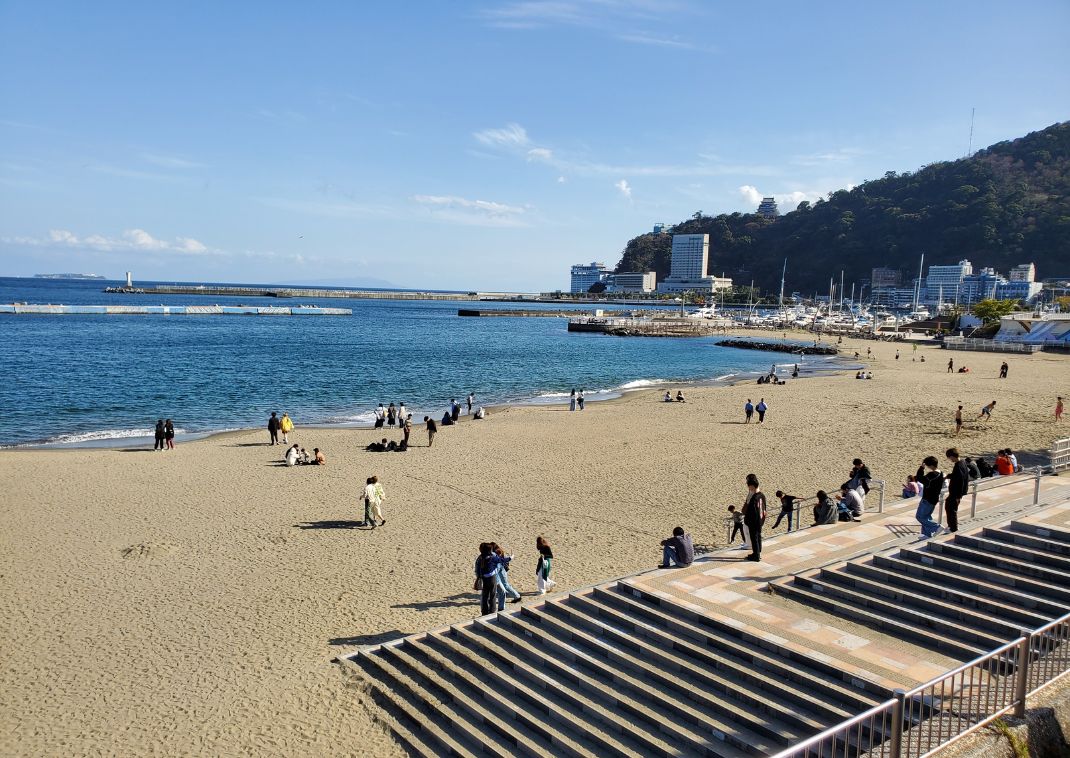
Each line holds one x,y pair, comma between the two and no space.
986,412
1058,409
737,526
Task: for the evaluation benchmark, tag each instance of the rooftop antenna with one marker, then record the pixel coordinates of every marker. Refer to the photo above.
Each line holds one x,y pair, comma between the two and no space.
973,112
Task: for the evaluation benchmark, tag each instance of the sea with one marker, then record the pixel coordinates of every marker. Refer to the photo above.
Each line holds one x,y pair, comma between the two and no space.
104,380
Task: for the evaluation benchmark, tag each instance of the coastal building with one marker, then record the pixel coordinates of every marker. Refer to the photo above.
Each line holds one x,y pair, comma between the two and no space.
945,282
1026,291
983,285
885,277
1023,272
631,282
767,208
586,275
688,268
661,228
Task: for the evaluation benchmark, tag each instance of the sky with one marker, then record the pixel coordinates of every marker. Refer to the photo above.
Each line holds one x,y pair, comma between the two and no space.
474,145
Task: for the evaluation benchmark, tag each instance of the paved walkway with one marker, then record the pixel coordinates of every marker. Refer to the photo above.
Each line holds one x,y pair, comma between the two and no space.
725,586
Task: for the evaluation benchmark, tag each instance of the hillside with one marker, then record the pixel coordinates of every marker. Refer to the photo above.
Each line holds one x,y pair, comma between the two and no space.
1007,204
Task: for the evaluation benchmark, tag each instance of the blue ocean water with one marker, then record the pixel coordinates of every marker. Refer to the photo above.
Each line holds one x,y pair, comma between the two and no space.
82,379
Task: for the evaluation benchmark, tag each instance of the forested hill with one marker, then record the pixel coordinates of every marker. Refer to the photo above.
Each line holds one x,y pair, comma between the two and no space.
1005,205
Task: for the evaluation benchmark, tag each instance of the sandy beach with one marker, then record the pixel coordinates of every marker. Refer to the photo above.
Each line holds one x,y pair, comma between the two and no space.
190,602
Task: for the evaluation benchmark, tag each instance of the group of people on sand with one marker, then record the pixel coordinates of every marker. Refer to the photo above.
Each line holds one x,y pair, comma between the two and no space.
669,398
492,574
391,415
750,408
298,456
864,375
164,435
575,400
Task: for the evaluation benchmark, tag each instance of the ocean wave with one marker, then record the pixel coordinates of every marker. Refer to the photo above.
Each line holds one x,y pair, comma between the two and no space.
640,383
104,434
367,417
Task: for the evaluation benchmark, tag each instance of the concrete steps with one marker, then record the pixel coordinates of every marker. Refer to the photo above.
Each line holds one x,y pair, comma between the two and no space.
964,595
605,671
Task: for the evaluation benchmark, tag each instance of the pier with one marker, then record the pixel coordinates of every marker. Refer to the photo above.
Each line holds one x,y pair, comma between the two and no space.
647,327
503,313
170,310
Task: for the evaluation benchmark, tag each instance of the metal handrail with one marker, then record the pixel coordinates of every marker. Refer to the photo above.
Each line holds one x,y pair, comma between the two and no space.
980,691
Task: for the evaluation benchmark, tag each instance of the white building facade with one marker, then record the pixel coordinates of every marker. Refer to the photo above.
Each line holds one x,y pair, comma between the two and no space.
690,260
586,275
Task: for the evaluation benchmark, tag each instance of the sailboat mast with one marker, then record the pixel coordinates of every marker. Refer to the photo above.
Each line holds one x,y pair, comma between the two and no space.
783,273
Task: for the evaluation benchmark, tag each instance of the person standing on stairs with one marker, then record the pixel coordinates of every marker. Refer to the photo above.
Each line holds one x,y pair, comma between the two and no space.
932,482
957,484
754,509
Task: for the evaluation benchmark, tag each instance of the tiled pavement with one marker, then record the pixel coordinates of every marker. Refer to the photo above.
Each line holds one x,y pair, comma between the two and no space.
726,586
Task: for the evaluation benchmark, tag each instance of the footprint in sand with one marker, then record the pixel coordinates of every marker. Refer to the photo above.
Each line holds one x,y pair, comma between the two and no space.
144,550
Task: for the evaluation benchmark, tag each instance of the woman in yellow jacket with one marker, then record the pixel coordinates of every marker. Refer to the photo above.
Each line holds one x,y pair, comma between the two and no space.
286,425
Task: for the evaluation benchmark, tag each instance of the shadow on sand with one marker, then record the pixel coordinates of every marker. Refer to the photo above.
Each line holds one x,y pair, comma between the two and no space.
332,524
369,639
453,601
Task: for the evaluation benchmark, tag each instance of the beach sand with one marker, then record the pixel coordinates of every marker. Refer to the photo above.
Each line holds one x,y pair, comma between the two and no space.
190,602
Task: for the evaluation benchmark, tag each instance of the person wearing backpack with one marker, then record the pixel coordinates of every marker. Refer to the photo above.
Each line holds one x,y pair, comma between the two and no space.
754,511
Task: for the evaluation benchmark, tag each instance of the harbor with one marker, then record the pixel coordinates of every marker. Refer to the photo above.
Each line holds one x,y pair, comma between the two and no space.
34,309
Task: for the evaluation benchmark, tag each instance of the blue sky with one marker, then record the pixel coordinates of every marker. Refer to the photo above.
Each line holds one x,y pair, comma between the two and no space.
483,145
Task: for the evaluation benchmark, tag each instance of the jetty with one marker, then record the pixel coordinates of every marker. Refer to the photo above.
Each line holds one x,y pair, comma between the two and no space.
170,310
780,347
306,292
505,313
647,327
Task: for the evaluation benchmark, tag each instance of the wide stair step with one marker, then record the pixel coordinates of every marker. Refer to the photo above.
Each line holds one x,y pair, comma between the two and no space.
1025,539
976,554
1031,555
1042,530
962,565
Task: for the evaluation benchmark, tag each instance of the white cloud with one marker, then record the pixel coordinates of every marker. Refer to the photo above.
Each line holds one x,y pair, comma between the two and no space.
535,14
839,155
169,161
750,194
512,136
647,39
624,188
543,154
468,212
129,240
561,180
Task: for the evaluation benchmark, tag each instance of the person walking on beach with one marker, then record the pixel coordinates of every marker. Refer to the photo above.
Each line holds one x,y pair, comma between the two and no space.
761,408
407,429
572,400
169,434
986,412
286,426
391,415
380,416
754,516
678,550
471,399
579,399
369,494
787,508
544,565
957,484
273,428
159,434
958,421
932,482
432,429
488,576
748,410
897,354
1003,370
1058,409
373,502
951,365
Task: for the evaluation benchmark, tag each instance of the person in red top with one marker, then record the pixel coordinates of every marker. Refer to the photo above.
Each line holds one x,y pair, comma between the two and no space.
1004,467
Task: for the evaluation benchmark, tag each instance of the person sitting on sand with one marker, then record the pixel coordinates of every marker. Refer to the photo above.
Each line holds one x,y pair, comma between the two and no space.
303,457
391,446
824,509
320,459
480,413
859,375
668,396
447,419
869,375
679,396
377,447
291,455
403,446
678,550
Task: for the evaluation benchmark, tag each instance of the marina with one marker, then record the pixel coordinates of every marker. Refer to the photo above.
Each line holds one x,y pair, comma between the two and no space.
33,309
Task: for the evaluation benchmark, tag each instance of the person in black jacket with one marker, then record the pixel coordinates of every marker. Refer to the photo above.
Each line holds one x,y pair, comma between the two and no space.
754,509
932,482
273,428
957,484
159,435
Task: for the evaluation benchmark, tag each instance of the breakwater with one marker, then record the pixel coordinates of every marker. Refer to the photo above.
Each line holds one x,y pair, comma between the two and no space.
305,292
170,310
646,327
501,313
780,347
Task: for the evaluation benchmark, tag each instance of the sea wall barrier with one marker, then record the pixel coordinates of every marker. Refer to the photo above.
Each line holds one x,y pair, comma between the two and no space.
780,347
170,310
283,292
646,327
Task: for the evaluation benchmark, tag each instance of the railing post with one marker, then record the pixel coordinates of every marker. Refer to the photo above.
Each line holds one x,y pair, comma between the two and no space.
1021,681
880,503
1036,485
895,744
973,499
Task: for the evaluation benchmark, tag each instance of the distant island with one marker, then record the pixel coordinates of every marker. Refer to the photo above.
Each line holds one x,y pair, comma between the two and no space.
69,276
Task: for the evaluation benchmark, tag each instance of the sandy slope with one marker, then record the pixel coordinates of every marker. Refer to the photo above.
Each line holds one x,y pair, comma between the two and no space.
174,603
